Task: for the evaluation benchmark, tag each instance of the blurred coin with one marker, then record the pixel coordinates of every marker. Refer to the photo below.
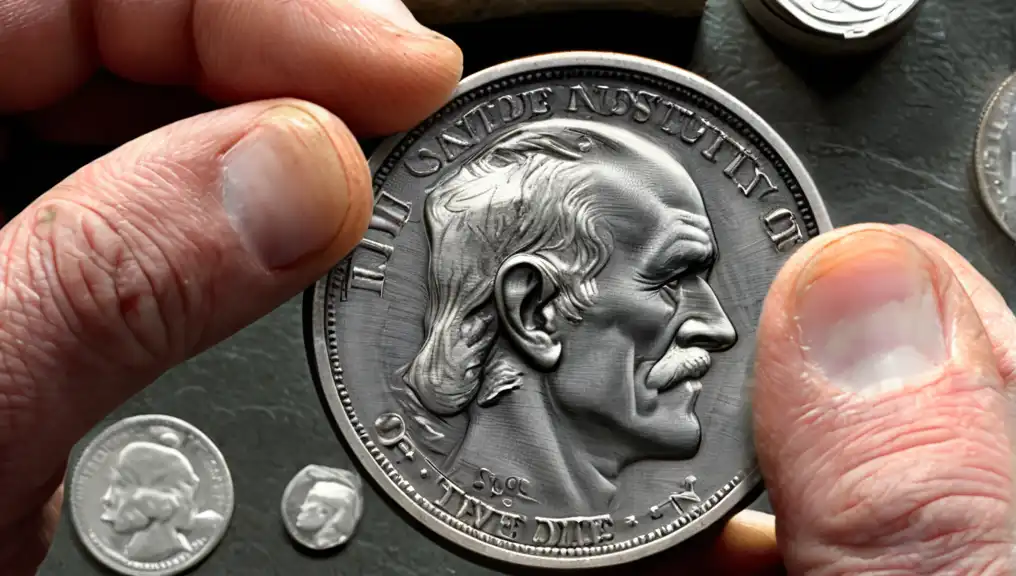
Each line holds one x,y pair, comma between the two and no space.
834,26
322,506
151,495
995,156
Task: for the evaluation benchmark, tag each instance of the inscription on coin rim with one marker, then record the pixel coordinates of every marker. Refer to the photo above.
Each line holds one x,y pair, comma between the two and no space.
330,289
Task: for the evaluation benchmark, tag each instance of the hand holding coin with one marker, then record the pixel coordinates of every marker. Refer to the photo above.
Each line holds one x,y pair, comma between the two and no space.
883,356
177,239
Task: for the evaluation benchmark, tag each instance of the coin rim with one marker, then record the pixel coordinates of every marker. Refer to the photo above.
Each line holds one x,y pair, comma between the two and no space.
319,356
841,30
295,533
80,524
979,144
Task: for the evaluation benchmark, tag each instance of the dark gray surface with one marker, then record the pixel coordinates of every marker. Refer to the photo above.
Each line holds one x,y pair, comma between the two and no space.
886,140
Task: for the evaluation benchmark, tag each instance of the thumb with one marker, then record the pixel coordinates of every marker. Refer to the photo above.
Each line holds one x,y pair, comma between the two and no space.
880,416
153,253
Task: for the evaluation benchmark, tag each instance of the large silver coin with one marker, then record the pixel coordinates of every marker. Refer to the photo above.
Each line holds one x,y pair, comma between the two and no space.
541,348
322,506
995,157
151,495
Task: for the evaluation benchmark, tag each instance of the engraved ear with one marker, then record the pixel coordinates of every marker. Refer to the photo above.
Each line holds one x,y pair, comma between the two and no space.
524,288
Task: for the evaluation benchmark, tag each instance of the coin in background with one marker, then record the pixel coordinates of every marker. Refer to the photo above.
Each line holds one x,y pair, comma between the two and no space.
834,26
540,349
322,506
151,495
995,156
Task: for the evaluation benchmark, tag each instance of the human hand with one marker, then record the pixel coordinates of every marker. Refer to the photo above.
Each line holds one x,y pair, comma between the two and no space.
881,428
181,237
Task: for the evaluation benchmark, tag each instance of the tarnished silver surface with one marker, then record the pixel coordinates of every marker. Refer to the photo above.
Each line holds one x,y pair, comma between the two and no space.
541,348
834,26
995,157
322,506
151,495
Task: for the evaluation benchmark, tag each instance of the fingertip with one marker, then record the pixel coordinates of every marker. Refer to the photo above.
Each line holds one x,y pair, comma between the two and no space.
295,186
358,187
437,72
46,52
870,358
377,76
746,546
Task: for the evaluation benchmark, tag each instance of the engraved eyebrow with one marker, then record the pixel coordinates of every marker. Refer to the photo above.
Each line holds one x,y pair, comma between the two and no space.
688,245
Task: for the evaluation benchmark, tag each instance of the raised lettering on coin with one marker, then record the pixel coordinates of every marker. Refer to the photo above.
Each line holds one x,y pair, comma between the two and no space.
554,373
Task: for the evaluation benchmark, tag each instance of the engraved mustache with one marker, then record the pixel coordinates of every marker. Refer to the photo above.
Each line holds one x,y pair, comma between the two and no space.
676,366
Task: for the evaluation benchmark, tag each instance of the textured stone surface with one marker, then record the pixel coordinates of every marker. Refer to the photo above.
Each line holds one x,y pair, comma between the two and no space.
888,139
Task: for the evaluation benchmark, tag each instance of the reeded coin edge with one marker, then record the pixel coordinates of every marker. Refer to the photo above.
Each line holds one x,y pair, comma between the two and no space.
101,552
983,186
323,313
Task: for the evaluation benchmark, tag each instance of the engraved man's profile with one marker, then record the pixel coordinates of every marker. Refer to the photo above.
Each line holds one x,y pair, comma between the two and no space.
151,499
330,511
570,317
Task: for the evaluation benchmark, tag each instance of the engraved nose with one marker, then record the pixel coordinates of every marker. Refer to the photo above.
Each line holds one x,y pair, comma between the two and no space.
705,325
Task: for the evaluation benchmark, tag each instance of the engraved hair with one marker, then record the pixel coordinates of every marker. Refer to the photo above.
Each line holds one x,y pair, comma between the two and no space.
162,481
526,193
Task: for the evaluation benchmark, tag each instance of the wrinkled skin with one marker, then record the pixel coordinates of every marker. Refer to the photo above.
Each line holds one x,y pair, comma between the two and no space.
123,270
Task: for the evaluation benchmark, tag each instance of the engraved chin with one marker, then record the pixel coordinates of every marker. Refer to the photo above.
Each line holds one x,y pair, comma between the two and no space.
679,366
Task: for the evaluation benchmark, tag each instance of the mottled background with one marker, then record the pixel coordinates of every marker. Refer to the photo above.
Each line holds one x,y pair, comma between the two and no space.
886,139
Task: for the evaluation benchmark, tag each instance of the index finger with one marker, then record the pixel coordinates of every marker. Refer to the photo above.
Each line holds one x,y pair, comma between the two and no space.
368,61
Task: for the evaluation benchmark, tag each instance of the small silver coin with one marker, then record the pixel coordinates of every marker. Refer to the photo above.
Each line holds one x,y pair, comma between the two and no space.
322,506
834,26
541,348
995,156
151,495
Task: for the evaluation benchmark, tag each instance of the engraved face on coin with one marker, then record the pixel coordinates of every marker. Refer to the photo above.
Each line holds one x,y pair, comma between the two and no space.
151,495
322,506
995,157
541,347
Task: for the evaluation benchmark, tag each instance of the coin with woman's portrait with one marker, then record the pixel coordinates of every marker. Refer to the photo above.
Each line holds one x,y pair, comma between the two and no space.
151,495
321,506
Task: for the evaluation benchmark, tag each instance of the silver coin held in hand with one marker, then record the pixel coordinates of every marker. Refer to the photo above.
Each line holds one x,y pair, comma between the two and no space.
995,157
541,347
322,506
151,495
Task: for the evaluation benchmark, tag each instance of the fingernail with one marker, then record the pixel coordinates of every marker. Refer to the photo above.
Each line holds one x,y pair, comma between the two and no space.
869,313
395,12
284,188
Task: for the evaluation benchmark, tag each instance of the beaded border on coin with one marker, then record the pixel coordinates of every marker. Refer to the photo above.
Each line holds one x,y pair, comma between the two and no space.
324,344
